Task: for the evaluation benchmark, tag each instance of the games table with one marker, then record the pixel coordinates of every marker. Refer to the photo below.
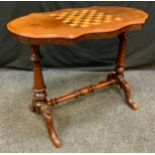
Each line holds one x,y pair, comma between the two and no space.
67,27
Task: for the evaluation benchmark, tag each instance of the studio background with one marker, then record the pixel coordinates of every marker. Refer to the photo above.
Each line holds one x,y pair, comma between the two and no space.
91,55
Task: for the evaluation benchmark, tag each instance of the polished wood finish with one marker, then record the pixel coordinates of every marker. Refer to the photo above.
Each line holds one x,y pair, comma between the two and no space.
39,102
120,71
117,78
50,126
69,26
82,92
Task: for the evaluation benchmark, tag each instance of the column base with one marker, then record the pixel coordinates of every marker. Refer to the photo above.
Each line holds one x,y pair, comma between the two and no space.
41,107
124,85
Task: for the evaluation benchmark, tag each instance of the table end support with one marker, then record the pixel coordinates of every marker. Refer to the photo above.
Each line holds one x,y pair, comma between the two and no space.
39,101
120,68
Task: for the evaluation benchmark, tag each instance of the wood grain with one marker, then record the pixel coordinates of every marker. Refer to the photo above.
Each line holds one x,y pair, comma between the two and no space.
73,23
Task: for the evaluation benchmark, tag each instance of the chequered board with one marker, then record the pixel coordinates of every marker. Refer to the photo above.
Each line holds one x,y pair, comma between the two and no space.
84,18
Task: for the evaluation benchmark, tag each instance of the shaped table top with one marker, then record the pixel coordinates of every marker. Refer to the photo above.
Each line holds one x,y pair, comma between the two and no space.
73,23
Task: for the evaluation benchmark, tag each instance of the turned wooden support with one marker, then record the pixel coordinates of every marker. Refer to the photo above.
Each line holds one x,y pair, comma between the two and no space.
40,95
39,102
120,61
120,68
117,78
82,92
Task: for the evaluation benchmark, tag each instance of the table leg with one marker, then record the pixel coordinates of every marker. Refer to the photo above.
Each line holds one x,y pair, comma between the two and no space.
39,97
120,68
39,102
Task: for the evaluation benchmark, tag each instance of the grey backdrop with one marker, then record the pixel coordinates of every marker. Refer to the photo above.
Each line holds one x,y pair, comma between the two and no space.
96,54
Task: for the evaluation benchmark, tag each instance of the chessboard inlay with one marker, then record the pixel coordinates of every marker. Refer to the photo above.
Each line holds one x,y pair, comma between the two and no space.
85,18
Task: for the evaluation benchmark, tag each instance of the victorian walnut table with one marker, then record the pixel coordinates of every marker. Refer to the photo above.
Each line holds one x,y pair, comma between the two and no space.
70,26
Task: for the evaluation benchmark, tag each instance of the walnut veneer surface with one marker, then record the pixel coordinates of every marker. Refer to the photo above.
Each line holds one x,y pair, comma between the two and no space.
73,23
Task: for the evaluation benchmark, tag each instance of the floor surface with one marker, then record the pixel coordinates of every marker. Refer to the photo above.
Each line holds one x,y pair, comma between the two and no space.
101,122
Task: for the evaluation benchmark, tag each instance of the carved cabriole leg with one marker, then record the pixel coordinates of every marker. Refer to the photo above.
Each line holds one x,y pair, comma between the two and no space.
50,126
39,102
120,71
